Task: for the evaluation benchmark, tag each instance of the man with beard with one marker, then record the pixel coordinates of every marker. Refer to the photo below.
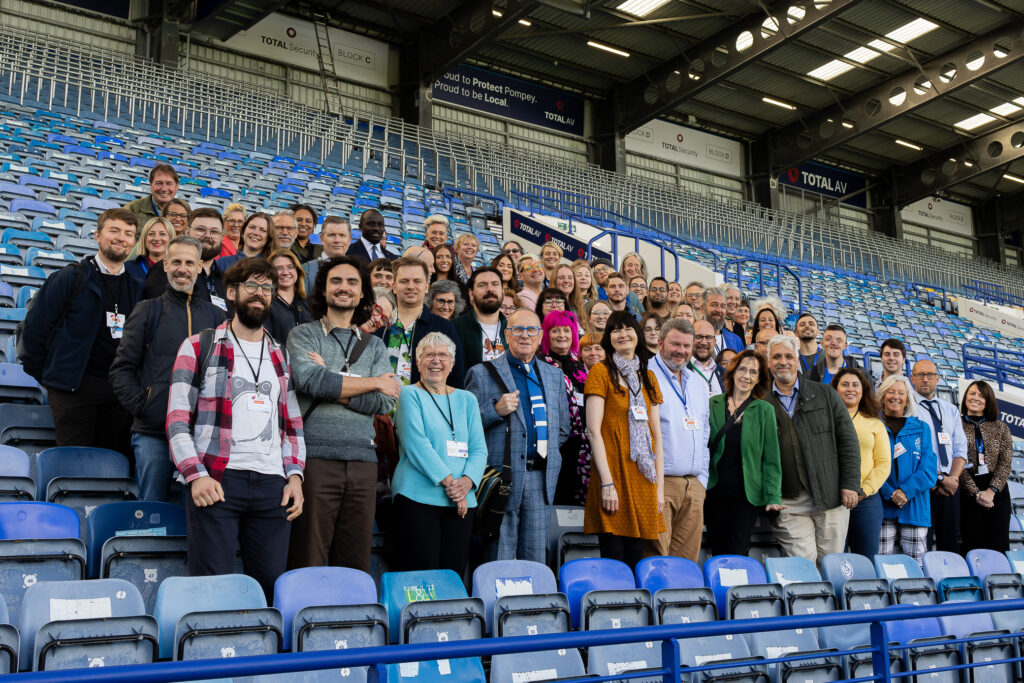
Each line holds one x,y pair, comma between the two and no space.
235,435
703,361
481,329
733,297
71,333
684,431
412,321
141,372
367,248
657,297
340,392
618,292
714,312
205,225
806,329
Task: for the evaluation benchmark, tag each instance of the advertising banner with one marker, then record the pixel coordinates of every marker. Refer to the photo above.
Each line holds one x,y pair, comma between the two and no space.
511,98
993,317
293,41
934,212
531,229
687,147
828,181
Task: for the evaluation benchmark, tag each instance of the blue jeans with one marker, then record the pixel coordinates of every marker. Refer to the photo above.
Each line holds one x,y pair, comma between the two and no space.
865,526
154,470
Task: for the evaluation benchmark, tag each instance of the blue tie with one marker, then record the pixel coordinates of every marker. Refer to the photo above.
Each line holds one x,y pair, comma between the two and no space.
937,425
540,414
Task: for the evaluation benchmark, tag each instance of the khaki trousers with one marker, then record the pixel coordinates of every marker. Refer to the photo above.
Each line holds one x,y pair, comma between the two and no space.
684,519
803,530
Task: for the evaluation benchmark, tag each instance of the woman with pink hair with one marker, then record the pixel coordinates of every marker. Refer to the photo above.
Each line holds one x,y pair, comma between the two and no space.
560,346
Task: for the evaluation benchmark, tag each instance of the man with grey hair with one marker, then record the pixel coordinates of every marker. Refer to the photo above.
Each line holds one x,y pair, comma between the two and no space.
820,455
435,229
733,297
141,372
714,312
684,431
335,236
287,230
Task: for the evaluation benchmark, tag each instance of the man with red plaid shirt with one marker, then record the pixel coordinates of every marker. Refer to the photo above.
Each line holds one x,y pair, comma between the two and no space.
235,435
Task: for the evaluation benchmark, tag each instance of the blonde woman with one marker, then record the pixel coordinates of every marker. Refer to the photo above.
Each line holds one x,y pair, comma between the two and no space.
234,217
466,247
550,257
151,247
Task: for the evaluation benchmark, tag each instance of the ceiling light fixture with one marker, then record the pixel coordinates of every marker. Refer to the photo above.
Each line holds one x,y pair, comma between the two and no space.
847,124
524,22
608,48
910,145
640,8
1016,179
496,13
904,34
778,103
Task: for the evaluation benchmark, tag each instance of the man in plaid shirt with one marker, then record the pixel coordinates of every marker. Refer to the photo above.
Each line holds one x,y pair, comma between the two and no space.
236,436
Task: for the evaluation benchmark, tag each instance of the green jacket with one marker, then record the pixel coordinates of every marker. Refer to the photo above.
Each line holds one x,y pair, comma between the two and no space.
759,448
144,210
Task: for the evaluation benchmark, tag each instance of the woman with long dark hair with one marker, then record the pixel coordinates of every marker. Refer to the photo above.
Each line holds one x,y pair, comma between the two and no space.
626,499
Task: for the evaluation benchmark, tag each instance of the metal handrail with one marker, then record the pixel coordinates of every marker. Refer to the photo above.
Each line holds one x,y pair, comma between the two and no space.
761,263
1001,366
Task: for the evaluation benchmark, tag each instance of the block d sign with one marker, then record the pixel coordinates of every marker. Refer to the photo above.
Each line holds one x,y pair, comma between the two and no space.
535,232
828,181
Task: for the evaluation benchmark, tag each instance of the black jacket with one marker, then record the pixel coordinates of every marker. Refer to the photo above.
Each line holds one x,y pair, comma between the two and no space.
58,362
471,337
357,250
141,375
284,317
425,324
818,371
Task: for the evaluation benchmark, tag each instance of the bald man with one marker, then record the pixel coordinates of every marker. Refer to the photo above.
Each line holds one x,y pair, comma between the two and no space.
702,361
422,254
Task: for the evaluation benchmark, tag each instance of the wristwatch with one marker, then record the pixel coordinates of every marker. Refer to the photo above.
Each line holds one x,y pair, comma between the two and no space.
941,476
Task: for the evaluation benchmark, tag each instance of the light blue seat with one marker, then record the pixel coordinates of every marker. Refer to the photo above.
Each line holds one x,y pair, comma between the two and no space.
803,590
543,665
723,572
16,483
777,644
76,624
952,576
929,649
609,660
420,603
520,598
840,568
18,387
787,570
721,651
24,563
230,597
968,625
467,670
907,583
996,575
602,593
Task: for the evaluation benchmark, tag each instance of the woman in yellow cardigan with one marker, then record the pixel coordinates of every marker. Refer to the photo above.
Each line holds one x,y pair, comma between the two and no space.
745,473
857,393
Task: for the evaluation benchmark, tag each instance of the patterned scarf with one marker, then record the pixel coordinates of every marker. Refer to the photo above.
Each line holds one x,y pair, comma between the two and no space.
640,449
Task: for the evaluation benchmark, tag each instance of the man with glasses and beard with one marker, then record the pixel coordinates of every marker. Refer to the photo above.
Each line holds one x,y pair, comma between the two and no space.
71,334
235,435
141,372
481,329
657,297
703,361
207,226
367,248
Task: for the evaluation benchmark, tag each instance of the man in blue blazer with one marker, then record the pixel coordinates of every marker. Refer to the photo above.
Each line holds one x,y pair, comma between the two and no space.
531,399
714,312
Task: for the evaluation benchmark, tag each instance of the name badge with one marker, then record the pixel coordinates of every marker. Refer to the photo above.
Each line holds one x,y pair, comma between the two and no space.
403,368
639,412
219,302
898,450
457,449
257,403
115,321
577,398
982,467
689,424
945,439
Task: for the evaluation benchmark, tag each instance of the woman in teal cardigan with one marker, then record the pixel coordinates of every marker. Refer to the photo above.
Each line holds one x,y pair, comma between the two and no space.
441,458
745,473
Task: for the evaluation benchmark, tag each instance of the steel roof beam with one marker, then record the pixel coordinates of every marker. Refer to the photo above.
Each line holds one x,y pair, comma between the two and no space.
660,89
865,111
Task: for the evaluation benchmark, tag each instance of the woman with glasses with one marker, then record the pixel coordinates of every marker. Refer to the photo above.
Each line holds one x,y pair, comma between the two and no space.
504,265
650,325
234,217
560,347
626,499
383,307
151,247
444,298
510,303
984,495
289,307
745,473
466,247
441,458
176,211
531,272
549,300
598,312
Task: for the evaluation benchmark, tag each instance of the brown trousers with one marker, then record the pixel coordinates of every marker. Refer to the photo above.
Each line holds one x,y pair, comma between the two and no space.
684,519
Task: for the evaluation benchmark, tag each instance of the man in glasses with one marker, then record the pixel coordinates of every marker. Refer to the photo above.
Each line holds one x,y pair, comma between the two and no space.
950,445
235,436
524,411
206,225
163,187
514,251
702,361
657,297
287,230
367,248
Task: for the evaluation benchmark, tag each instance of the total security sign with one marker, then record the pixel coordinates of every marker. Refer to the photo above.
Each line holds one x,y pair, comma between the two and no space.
510,98
828,181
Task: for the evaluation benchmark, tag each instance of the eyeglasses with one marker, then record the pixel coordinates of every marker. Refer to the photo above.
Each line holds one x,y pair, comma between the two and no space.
175,214
508,310
203,232
530,266
440,355
556,303
442,303
656,290
747,371
287,228
704,337
233,221
264,287
513,250
600,314
518,331
926,375
287,268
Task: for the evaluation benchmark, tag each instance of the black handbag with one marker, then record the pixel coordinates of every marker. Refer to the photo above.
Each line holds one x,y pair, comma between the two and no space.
495,487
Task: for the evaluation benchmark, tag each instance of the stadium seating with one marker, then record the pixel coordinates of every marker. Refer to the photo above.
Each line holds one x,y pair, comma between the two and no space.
996,575
603,594
724,572
520,598
677,590
16,482
952,576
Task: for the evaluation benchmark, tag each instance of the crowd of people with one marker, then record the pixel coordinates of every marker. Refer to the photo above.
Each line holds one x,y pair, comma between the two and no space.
289,394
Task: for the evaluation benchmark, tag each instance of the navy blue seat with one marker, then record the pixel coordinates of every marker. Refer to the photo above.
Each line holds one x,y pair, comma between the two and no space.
79,461
28,427
133,519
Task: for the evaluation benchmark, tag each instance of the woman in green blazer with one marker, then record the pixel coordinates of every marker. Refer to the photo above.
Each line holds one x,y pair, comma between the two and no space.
745,473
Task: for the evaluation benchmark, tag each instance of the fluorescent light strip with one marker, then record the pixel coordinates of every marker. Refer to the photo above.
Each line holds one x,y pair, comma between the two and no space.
862,55
1005,109
524,22
910,145
1016,179
640,8
608,48
778,103
496,13
974,122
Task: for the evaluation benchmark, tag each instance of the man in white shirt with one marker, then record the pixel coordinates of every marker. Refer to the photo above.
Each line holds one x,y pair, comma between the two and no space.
703,361
950,445
685,432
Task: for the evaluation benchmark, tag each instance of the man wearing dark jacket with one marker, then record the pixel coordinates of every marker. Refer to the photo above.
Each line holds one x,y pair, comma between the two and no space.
820,458
141,372
833,360
481,329
412,322
71,334
207,226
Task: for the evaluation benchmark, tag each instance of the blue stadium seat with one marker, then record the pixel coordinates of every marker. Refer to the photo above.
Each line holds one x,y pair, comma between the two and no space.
34,520
7,299
952,576
25,239
536,666
907,582
777,644
657,573
440,593
17,387
969,625
610,660
16,484
10,642
76,624
24,563
566,539
144,561
79,461
723,572
126,520
929,651
726,651
996,575
677,589
520,598
233,619
15,276
468,670
27,427
587,582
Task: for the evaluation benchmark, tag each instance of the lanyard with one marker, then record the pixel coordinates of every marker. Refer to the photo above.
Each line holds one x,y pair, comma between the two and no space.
259,368
345,349
702,375
450,417
406,335
671,380
815,362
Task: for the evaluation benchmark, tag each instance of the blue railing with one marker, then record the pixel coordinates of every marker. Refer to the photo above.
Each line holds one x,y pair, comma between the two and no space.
761,263
616,236
920,288
991,293
672,664
449,192
998,365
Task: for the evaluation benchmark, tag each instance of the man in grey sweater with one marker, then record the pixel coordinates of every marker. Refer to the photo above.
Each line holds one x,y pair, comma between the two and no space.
343,378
